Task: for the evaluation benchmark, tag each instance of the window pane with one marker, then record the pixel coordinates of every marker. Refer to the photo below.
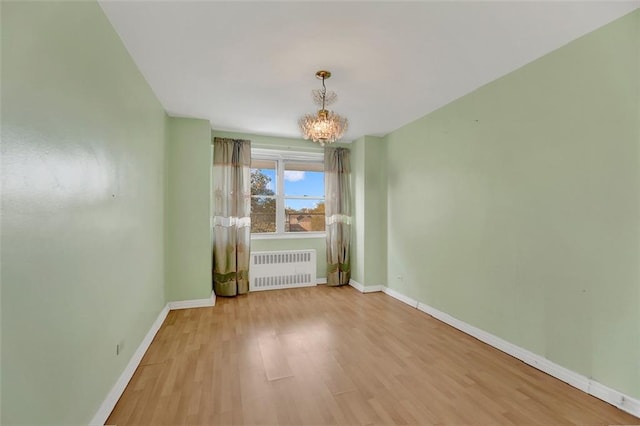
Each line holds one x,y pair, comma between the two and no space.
303,215
263,177
263,214
303,179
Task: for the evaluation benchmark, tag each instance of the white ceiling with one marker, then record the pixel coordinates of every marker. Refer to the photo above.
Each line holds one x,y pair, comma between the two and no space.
249,66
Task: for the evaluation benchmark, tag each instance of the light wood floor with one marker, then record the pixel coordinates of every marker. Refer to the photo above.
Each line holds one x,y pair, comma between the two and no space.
334,356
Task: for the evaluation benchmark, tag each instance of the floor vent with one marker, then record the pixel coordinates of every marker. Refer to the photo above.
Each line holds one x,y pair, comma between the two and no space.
272,270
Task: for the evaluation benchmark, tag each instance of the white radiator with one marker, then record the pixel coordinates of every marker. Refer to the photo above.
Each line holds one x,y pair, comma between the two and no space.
271,270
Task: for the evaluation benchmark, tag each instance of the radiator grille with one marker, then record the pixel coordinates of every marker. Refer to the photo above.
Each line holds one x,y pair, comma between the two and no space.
267,258
282,269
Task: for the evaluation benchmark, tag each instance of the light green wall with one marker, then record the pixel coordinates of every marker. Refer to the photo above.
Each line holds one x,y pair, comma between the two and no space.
82,244
376,212
270,142
358,213
517,207
188,257
369,242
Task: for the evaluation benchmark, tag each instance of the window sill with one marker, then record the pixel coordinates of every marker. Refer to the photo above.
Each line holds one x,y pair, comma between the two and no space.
289,236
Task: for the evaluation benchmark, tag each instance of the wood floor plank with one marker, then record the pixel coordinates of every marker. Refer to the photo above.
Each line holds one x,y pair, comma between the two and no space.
333,356
273,358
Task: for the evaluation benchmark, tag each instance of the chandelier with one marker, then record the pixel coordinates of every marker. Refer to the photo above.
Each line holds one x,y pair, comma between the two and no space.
325,126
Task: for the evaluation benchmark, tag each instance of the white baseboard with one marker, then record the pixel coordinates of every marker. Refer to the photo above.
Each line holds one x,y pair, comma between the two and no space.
321,281
356,285
196,303
365,289
116,391
401,297
583,383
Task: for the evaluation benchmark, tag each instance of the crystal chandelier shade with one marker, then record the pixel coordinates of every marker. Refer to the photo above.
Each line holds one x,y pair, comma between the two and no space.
325,126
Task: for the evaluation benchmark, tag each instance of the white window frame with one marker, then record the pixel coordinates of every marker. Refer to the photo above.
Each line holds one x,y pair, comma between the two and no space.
280,157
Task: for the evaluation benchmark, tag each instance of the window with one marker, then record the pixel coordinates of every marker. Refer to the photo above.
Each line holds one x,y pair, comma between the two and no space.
287,193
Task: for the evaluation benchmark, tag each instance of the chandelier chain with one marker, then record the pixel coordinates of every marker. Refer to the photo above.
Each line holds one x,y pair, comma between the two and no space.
324,92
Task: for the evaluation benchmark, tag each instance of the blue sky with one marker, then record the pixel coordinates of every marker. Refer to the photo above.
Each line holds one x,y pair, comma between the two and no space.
298,183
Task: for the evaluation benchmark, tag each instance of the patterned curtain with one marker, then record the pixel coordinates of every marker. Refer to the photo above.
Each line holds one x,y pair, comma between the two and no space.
232,217
337,183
